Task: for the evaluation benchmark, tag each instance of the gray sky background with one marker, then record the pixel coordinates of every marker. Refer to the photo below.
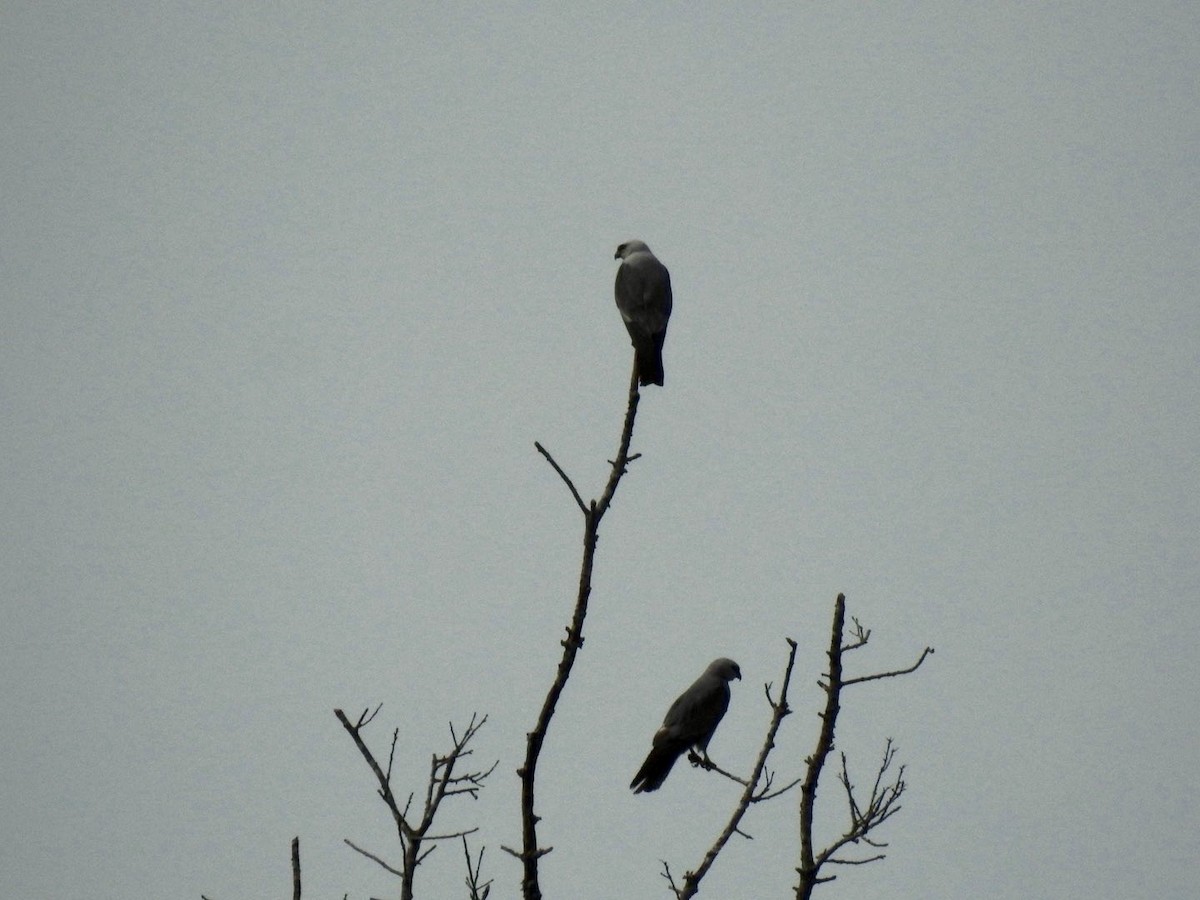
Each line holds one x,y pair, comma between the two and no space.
288,292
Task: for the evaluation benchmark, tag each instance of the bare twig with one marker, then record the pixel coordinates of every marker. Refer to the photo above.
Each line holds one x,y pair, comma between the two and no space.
666,873
416,841
928,651
854,862
859,635
371,856
880,806
779,710
476,889
563,475
593,512
768,794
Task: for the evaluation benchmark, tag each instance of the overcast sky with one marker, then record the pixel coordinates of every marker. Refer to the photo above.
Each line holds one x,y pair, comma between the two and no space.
288,291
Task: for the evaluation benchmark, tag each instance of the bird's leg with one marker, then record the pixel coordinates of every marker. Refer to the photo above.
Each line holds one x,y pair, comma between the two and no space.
701,759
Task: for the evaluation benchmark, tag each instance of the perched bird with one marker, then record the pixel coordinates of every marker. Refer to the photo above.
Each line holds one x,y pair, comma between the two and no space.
689,723
643,291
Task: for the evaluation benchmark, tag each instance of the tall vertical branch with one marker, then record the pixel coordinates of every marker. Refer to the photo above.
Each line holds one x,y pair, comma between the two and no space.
816,762
883,801
593,512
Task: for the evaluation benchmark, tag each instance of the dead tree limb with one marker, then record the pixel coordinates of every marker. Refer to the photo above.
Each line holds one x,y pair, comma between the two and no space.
416,841
882,803
593,512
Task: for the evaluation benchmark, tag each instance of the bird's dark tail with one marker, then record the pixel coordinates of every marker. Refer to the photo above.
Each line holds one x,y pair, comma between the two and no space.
649,360
655,769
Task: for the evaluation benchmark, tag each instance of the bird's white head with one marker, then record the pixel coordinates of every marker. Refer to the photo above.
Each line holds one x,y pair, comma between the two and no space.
629,248
725,669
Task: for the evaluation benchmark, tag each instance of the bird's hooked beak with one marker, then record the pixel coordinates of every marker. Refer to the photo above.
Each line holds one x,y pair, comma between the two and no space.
617,255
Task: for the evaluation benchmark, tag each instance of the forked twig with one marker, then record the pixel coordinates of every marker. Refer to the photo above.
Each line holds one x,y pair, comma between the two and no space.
416,839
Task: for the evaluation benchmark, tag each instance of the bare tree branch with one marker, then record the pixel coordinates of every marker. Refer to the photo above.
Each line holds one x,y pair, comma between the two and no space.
530,852
450,835
882,803
928,651
666,873
853,862
416,842
371,856
563,475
